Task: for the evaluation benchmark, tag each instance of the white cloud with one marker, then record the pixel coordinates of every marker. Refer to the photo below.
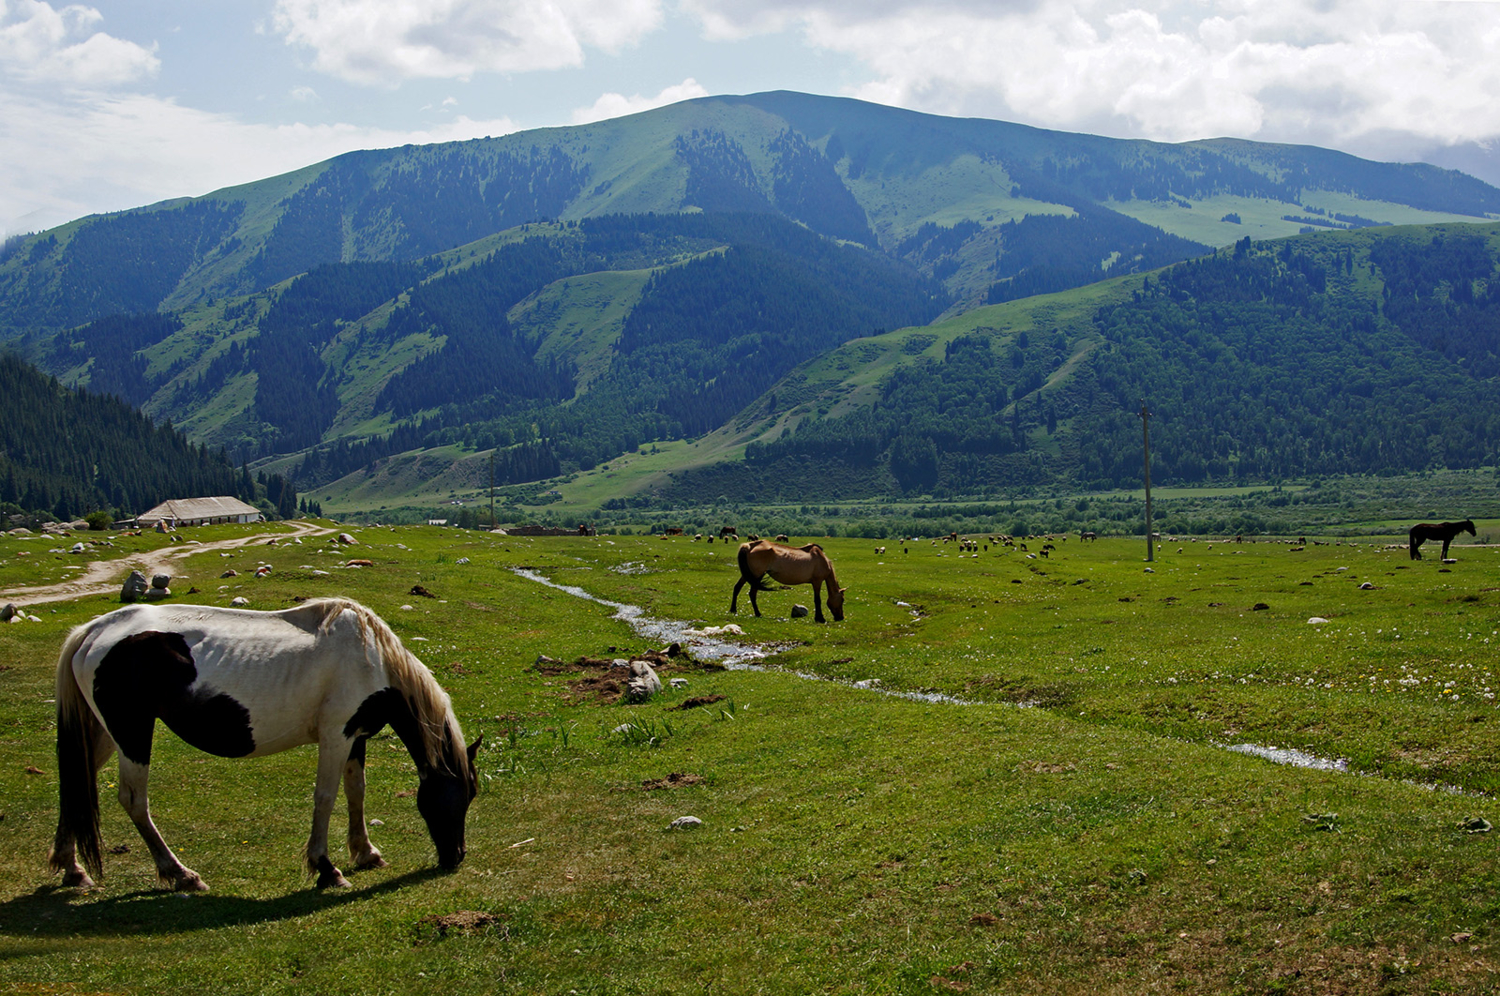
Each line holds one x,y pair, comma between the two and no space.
71,156
614,105
382,42
43,44
1281,70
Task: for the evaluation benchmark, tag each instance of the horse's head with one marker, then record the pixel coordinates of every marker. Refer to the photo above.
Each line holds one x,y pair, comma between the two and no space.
1469,527
443,799
836,603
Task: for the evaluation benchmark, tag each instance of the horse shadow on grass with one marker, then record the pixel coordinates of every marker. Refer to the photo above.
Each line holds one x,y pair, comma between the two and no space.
53,911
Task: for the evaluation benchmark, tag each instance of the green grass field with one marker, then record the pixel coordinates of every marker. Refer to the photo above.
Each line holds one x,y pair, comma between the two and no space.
1058,814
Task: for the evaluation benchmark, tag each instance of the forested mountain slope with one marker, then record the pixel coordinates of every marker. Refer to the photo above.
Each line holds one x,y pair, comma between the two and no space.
69,451
993,210
1375,351
361,359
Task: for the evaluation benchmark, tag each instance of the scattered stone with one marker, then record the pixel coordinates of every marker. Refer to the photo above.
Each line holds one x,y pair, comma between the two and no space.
1461,937
157,594
462,560
406,608
1367,586
1316,621
685,823
799,612
1451,560
77,548
643,682
1259,607
347,540
359,563
239,600
134,587
161,580
679,682
1150,570
8,612
1476,825
868,683
231,573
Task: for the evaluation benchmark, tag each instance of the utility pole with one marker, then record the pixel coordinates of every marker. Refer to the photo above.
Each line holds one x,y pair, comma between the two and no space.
492,490
1146,444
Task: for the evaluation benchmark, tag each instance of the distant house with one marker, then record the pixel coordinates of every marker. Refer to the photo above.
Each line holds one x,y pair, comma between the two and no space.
437,522
199,512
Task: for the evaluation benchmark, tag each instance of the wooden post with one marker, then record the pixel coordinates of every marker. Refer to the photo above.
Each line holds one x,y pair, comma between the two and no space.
1146,444
492,490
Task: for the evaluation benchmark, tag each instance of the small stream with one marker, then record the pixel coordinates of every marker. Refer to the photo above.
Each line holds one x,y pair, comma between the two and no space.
712,644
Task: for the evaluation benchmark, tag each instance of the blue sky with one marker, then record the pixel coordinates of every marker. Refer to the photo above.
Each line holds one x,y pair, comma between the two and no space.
114,104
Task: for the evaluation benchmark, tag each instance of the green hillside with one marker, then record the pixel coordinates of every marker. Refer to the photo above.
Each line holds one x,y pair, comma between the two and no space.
962,199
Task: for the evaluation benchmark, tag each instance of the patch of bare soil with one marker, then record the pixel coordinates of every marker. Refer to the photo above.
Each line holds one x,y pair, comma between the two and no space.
462,922
676,779
698,701
599,680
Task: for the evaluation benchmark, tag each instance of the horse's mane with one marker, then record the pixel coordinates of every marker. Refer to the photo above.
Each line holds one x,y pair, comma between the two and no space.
430,704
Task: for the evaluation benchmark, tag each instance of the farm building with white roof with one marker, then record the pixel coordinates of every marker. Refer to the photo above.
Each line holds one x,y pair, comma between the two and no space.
200,512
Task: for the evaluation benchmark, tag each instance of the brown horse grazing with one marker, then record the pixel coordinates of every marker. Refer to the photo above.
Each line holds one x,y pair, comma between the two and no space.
788,565
1445,531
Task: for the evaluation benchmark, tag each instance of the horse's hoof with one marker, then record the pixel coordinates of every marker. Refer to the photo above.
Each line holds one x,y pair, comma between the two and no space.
190,883
372,861
78,879
334,881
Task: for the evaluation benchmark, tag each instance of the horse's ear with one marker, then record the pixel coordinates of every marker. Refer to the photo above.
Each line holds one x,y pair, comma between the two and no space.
474,749
842,590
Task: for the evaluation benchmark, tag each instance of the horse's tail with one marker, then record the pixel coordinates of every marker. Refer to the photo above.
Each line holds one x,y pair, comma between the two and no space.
78,732
1413,540
756,583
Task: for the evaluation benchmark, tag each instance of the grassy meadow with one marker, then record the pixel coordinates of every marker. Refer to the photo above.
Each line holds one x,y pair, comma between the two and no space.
1055,811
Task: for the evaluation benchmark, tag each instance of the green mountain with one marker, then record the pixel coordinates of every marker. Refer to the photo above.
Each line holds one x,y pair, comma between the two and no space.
994,210
724,270
1369,352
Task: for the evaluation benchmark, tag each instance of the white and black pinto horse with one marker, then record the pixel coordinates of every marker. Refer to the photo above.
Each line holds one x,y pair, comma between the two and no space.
238,683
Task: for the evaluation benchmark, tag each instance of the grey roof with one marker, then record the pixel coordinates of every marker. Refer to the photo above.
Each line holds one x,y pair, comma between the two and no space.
188,509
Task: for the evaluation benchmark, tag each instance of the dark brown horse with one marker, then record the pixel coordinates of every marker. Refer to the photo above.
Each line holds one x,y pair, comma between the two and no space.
1444,531
788,565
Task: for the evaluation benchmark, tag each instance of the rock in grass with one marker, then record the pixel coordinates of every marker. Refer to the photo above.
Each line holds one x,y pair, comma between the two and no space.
799,612
134,587
1476,825
643,682
1316,621
685,823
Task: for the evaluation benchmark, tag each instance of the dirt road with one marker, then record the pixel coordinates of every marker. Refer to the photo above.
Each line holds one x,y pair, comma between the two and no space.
104,577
